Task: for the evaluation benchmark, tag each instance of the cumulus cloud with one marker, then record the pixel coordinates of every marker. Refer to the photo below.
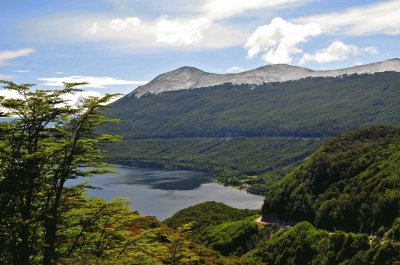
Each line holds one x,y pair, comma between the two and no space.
234,69
337,51
191,30
93,81
381,17
180,32
77,98
119,24
9,93
280,40
5,56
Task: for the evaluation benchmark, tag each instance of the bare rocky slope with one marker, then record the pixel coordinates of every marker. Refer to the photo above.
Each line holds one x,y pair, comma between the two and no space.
191,77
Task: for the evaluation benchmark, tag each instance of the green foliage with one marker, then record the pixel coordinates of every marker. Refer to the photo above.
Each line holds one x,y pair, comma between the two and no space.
39,152
299,245
304,244
207,214
351,183
229,237
394,232
218,226
93,231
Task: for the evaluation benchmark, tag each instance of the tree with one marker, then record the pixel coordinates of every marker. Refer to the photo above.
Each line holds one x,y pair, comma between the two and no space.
46,145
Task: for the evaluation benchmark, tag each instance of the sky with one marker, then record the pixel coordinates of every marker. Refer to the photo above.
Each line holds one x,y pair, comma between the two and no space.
117,45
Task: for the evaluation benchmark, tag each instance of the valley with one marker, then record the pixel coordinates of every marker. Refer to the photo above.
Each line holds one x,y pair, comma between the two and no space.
206,132
323,153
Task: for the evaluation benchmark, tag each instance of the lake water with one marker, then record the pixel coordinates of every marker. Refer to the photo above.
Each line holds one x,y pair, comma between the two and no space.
162,193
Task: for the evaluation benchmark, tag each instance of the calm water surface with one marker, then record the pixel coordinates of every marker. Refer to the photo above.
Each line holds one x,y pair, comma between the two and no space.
162,193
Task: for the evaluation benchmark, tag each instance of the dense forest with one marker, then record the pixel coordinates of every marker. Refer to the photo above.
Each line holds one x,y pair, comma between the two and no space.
351,183
241,131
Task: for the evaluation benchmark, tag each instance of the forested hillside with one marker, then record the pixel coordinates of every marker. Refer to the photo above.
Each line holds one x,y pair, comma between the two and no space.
235,131
312,107
351,183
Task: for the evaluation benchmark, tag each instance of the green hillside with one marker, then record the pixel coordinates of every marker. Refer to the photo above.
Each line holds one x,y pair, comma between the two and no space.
351,183
236,131
304,244
313,107
219,226
208,214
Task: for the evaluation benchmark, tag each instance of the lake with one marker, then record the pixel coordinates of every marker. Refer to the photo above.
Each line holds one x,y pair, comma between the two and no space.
162,193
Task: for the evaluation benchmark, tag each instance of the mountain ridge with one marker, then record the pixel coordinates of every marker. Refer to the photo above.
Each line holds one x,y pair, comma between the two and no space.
188,77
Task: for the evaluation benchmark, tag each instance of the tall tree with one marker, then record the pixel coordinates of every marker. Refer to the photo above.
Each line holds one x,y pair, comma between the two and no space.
40,150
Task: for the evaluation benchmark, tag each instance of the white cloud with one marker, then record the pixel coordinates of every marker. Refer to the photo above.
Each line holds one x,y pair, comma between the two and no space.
93,81
234,69
381,17
119,24
77,98
180,32
192,30
5,56
337,51
203,28
74,99
59,73
7,93
280,40
22,71
92,30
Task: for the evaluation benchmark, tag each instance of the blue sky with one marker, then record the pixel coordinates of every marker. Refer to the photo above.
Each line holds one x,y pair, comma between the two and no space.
117,45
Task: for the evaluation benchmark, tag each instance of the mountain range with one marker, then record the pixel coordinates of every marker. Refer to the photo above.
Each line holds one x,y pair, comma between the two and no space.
248,133
190,77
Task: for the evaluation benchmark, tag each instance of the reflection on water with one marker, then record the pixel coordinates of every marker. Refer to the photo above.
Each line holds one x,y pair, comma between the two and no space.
158,179
161,193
